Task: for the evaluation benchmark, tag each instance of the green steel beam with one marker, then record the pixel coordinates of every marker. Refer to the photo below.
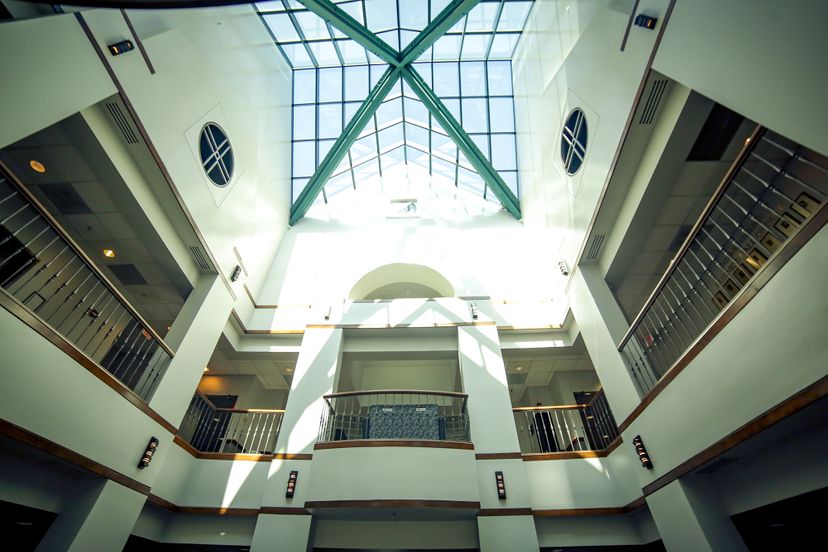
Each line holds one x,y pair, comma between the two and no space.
463,141
353,29
444,21
343,144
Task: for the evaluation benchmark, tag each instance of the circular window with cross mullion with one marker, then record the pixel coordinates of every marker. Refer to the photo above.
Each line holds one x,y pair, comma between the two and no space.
574,141
216,154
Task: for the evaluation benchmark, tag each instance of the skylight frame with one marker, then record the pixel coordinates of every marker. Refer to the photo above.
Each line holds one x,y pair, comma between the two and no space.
451,20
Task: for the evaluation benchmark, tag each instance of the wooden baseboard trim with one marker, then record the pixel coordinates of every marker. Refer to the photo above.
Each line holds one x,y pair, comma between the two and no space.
505,512
382,503
792,405
284,511
369,443
569,455
22,313
761,279
165,504
608,511
614,445
87,464
498,456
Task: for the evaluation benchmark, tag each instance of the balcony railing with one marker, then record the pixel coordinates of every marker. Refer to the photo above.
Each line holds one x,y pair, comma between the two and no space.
570,428
230,430
44,270
395,414
772,190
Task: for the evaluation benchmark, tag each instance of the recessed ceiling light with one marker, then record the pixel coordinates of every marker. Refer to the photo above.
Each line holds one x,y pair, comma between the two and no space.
288,370
206,369
519,368
108,253
37,166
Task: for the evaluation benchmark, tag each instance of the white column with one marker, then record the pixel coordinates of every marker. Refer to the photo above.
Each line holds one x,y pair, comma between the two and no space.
513,533
689,515
484,379
99,515
193,337
282,533
603,325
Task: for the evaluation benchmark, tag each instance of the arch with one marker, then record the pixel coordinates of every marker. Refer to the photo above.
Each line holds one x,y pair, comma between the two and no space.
401,280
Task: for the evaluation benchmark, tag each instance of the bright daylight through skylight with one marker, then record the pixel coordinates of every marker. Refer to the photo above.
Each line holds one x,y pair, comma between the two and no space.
445,106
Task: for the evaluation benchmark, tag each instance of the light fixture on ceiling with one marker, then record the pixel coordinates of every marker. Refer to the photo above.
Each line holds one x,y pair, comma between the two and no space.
108,253
206,369
289,370
519,368
37,166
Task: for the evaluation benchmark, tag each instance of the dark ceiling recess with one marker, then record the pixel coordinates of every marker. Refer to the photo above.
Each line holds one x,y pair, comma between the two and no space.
127,274
67,200
793,524
23,526
716,134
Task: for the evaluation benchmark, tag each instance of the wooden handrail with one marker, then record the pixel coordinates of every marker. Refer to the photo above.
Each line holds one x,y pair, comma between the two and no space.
395,391
747,149
84,257
255,410
561,407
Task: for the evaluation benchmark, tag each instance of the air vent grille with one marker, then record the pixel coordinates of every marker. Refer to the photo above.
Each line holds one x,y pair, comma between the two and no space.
595,247
122,122
653,101
200,257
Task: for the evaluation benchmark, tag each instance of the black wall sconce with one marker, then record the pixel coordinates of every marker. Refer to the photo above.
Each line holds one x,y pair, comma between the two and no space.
291,484
563,268
645,21
236,273
642,452
501,485
120,47
148,453
473,309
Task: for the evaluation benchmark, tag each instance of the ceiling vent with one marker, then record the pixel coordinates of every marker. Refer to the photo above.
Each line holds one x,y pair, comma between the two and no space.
200,258
65,198
653,101
121,121
594,248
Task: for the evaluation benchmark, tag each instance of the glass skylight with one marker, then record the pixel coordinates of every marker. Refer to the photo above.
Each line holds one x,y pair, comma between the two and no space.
468,68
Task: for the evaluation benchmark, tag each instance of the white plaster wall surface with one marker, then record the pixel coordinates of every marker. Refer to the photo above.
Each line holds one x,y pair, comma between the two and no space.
173,473
575,483
198,529
220,63
740,361
393,473
733,59
34,484
224,484
515,480
589,531
395,534
566,60
56,74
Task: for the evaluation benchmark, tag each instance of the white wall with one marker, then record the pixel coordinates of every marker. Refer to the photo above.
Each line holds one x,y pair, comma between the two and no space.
619,530
420,535
732,52
569,57
214,64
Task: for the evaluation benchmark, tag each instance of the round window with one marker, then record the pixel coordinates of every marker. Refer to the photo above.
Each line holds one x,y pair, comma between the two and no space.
216,154
574,141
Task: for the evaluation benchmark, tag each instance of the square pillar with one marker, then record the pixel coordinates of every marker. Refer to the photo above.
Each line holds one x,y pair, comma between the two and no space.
690,517
513,533
193,337
282,533
603,325
99,515
484,379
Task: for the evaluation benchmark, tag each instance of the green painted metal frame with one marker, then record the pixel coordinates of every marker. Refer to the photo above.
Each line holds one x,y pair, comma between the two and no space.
400,67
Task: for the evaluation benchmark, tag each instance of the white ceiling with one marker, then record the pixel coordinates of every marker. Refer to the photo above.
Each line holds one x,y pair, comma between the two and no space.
274,370
535,368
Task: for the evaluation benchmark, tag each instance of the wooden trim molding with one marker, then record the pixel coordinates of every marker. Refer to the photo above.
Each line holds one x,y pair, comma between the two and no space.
192,451
164,504
505,512
391,326
369,443
606,511
792,405
498,456
614,445
382,503
22,313
284,511
568,455
761,278
50,447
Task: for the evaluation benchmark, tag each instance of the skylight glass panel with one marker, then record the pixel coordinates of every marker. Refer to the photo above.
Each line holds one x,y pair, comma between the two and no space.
312,26
502,114
482,17
281,26
304,122
304,158
475,46
381,15
473,78
304,86
447,48
325,53
330,120
503,46
513,17
330,85
413,15
357,83
475,118
446,79
499,78
354,9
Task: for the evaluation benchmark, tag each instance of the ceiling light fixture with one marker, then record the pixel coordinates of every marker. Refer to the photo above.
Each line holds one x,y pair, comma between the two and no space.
37,166
108,253
519,368
289,370
206,369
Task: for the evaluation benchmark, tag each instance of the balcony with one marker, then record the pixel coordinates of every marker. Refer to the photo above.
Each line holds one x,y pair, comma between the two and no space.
568,428
209,429
395,414
49,282
769,203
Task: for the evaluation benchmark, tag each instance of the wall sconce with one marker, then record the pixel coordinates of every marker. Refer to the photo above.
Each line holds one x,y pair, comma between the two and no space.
236,273
645,21
291,484
328,314
148,453
642,452
563,268
501,486
120,47
473,309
